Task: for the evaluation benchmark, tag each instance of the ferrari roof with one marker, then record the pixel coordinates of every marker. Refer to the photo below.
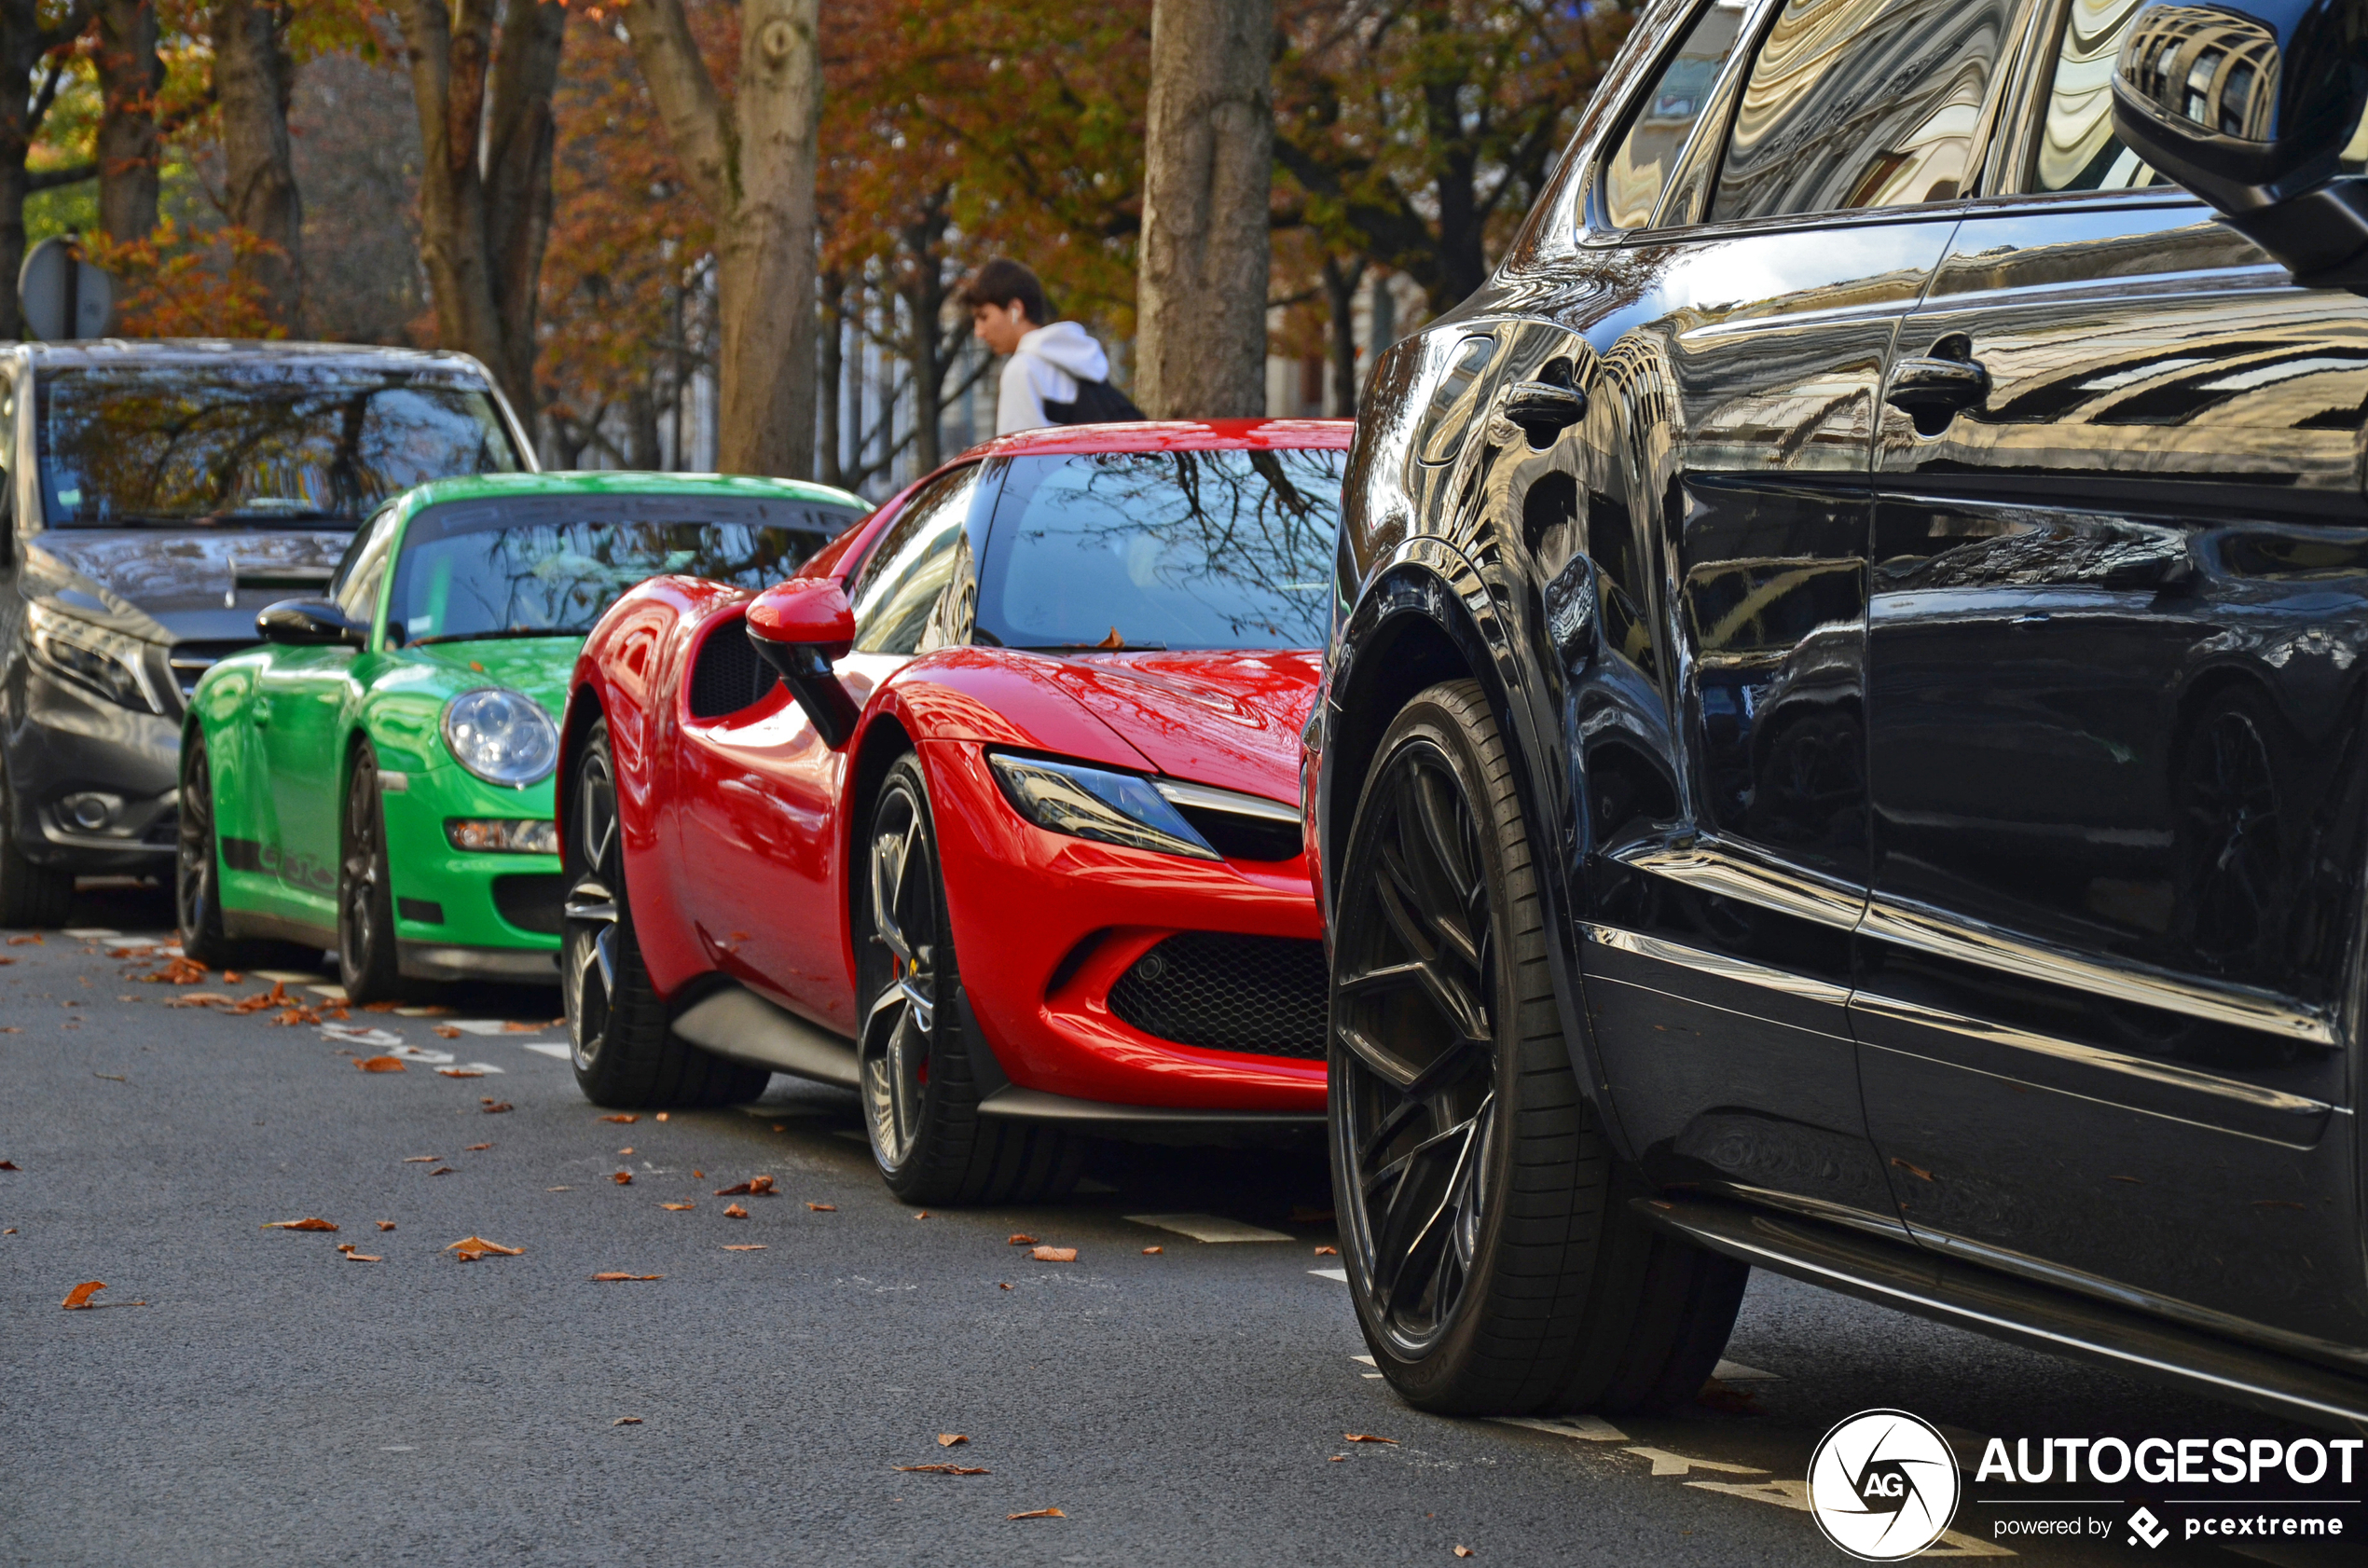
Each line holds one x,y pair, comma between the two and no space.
1169,435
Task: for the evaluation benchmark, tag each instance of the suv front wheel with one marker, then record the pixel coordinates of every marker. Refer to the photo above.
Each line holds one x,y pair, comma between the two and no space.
1494,1265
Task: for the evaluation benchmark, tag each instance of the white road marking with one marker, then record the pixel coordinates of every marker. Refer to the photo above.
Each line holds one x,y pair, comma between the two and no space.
379,1040
1340,1274
1668,1464
286,977
1585,1428
1367,1359
559,1052
479,1025
1208,1228
1735,1371
335,992
89,933
419,1012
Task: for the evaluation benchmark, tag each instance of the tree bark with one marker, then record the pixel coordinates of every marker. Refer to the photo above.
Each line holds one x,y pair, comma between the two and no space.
1208,157
485,177
829,465
130,151
1340,294
751,165
254,77
23,42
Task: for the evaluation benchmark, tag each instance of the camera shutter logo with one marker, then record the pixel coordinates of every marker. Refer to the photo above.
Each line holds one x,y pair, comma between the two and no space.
1883,1485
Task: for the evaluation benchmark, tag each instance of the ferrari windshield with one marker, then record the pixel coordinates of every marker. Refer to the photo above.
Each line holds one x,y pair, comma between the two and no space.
1207,549
548,565
286,442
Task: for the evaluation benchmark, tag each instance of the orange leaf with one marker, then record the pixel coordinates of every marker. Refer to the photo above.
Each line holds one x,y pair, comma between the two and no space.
1463,1551
8,1165
627,1149
661,1116
745,1246
1043,1513
940,1469
422,1159
201,999
735,1212
20,941
515,1027
379,1064
678,1208
1328,1252
471,1248
627,1421
823,1208
381,1007
923,1215
386,1224
441,1170
445,1031
475,1147
947,1439
458,1072
755,1187
79,1297
1021,1241
610,1278
362,1257
1366,1437
313,1222
1153,1251
1054,1254
624,1119
495,1107
623,1179
1000,1286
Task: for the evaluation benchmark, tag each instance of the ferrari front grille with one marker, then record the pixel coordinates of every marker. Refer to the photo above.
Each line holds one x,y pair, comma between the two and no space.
1264,996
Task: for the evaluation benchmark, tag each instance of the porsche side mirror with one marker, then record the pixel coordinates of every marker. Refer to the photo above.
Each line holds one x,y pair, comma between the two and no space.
2252,107
308,623
799,627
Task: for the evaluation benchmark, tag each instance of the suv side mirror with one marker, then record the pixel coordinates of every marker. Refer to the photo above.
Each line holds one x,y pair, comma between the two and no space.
798,628
2251,106
308,623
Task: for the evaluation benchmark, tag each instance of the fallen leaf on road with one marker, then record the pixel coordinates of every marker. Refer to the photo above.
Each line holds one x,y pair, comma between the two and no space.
1153,1251
352,1257
79,1297
923,1215
1039,1513
8,1165
1328,1252
559,1190
441,1170
1000,1286
381,1007
515,1027
745,1246
942,1470
35,939
1021,1241
496,1107
661,1116
379,1064
422,1159
310,1222
111,1077
11,1029
610,1278
200,998
779,1128
471,1248
345,1247
458,1072
1463,1551
1054,1254
386,1224
627,1421
627,1149
735,1211
678,1208
627,1118
623,1179
755,1187
445,1031
1337,1459
1917,1171
947,1439
229,976
295,1015
475,1147
823,1208
1366,1437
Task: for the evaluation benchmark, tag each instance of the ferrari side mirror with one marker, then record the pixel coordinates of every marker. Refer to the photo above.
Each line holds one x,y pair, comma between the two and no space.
2252,106
308,623
798,628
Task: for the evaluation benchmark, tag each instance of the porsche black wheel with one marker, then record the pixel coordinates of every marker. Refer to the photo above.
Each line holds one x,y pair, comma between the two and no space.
1495,1267
197,869
919,1091
623,1050
366,964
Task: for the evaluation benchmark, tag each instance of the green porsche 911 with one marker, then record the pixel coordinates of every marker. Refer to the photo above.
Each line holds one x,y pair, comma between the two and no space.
376,779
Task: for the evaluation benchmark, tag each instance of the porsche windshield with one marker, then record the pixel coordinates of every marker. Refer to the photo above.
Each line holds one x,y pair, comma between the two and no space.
548,565
1208,549
258,442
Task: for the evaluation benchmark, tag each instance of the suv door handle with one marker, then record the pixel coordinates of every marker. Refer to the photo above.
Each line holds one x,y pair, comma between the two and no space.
1934,392
1543,409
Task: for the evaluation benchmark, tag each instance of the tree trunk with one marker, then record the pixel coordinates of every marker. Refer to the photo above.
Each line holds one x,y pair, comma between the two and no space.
829,465
641,429
485,177
924,290
1340,294
253,77
131,154
1208,157
23,42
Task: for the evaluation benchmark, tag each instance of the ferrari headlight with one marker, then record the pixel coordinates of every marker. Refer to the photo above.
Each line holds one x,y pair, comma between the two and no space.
1093,803
503,738
91,657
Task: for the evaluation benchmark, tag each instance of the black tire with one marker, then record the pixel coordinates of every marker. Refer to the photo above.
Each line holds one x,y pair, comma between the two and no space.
197,869
367,958
1495,1264
31,894
624,1054
919,1089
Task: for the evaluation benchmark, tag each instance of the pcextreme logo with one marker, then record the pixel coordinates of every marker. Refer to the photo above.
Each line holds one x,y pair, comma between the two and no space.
1882,1485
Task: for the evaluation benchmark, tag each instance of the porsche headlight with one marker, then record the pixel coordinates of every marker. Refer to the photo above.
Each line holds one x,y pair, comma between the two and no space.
1096,803
503,738
93,657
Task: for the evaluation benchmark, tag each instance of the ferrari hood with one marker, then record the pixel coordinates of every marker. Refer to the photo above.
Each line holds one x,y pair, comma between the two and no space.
1224,719
200,585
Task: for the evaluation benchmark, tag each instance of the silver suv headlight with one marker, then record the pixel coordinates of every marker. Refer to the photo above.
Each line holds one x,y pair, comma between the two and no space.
503,736
93,657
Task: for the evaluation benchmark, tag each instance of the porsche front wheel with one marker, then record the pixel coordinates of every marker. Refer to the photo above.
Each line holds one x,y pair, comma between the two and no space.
919,1089
624,1051
365,894
196,870
1493,1262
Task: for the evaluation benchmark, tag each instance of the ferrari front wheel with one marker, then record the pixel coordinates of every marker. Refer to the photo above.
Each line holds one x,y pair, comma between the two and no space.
918,1084
625,1052
1493,1262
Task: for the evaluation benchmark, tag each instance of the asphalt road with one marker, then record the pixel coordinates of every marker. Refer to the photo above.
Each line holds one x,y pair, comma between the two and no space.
250,1395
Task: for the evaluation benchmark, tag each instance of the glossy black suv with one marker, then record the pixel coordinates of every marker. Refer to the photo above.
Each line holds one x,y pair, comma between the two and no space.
1846,740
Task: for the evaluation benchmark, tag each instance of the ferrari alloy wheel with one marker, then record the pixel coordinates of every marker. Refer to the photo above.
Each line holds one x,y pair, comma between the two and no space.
29,894
624,1051
366,963
918,1085
1494,1266
196,870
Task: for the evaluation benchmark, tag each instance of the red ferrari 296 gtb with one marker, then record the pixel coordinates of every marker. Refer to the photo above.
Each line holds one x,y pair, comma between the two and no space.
991,813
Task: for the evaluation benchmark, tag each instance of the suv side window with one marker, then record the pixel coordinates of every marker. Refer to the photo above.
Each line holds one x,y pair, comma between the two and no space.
2077,148
1639,170
1858,104
912,565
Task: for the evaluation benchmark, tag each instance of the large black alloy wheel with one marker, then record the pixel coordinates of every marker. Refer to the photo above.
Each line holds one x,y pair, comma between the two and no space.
367,958
623,1050
1493,1263
29,894
196,868
918,1082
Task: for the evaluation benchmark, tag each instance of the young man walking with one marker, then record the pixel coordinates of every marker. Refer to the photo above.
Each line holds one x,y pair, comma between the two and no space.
1057,375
